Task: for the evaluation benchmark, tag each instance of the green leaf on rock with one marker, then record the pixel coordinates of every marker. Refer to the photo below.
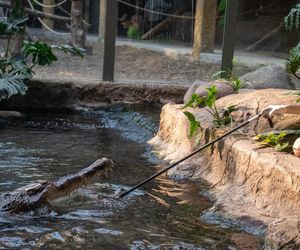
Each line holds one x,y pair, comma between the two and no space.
194,124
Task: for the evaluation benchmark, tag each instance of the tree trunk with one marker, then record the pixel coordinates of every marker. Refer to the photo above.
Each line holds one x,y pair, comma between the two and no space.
18,39
50,11
205,26
197,44
102,17
77,27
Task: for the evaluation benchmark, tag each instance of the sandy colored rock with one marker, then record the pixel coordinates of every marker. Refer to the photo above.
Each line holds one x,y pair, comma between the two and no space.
200,88
255,184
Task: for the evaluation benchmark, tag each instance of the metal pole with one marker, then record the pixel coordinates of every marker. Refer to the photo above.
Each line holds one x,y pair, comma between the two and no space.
229,35
102,10
111,20
190,155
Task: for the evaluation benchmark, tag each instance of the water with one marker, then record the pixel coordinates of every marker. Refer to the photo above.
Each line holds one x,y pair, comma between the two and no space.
162,215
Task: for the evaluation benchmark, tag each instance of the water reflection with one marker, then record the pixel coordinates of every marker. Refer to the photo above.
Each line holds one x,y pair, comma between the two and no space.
162,215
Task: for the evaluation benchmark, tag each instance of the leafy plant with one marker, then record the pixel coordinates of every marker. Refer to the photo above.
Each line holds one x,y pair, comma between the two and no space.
208,102
276,141
194,124
291,22
42,53
293,63
13,24
15,70
232,80
221,10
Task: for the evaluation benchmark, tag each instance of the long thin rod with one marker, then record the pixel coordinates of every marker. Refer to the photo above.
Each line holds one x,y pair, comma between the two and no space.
190,155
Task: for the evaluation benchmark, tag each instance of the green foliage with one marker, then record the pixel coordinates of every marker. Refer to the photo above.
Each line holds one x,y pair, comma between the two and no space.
11,84
9,26
221,9
15,23
133,32
232,80
291,21
194,124
70,49
293,63
220,119
276,141
15,70
41,53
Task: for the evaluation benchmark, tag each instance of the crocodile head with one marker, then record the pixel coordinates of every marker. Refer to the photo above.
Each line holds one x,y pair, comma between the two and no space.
41,193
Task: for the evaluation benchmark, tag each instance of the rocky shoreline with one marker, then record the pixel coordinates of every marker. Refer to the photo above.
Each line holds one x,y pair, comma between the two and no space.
54,93
250,183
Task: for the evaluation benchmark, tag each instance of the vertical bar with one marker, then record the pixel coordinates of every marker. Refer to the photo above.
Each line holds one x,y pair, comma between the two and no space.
209,25
47,21
87,6
197,43
111,18
229,35
102,13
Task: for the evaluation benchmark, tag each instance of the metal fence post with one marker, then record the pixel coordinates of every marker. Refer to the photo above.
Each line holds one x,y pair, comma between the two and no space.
229,35
111,21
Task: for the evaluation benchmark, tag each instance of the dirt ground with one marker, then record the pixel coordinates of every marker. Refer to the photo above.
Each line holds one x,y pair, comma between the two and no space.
136,64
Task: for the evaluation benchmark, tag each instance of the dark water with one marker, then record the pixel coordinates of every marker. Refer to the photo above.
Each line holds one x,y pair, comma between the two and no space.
162,215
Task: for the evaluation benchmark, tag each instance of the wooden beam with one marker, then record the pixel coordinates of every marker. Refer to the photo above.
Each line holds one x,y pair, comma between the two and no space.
47,10
156,29
229,35
205,27
209,25
197,43
269,35
102,13
77,27
110,32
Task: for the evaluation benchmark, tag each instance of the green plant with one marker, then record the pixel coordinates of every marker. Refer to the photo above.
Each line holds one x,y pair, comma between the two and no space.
221,10
293,63
276,141
15,70
232,80
208,102
291,22
12,25
42,53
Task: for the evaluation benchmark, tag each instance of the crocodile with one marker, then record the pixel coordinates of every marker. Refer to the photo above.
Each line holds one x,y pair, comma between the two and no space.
39,194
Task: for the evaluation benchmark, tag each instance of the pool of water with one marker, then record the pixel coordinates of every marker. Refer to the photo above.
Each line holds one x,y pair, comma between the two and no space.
164,214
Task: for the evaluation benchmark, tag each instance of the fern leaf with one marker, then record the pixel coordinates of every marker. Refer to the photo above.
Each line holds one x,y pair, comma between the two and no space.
292,20
71,49
12,85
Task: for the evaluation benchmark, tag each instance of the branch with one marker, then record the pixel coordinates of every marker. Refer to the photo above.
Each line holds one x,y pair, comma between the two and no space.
42,14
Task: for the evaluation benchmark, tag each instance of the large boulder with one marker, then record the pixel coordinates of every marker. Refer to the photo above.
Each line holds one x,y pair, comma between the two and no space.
200,88
272,76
